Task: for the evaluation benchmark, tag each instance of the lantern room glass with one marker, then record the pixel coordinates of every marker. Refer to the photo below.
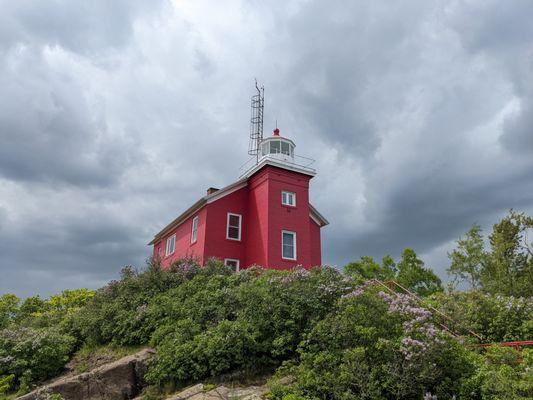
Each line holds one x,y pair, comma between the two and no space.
277,147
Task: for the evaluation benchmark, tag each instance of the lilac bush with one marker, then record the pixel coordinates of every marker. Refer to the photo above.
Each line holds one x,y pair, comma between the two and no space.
378,345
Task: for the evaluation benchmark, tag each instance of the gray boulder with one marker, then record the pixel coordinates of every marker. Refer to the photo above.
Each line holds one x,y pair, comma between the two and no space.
120,380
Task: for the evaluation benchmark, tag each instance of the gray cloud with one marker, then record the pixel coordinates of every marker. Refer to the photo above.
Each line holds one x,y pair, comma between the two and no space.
116,117
80,27
49,132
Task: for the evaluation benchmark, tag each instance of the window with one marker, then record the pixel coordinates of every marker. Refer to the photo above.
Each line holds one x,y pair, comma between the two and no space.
288,198
194,232
264,148
233,263
233,231
275,147
285,148
288,245
171,244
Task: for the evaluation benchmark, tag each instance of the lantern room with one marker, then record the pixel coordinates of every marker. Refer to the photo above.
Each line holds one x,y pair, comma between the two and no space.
278,147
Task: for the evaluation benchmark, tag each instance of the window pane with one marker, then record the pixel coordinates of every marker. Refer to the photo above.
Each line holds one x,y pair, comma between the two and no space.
234,220
288,252
171,242
233,264
233,232
290,197
275,146
285,148
288,239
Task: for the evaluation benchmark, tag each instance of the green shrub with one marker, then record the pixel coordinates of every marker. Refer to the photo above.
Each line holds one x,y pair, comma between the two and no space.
183,357
219,321
378,346
116,313
6,383
503,373
33,354
495,318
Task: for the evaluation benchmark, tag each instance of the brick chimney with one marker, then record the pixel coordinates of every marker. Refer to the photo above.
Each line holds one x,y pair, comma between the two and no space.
211,190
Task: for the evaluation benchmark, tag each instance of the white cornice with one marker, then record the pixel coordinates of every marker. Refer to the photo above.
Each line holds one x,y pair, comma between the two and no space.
279,164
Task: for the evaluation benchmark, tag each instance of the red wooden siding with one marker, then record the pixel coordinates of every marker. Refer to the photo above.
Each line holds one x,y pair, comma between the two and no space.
264,218
216,244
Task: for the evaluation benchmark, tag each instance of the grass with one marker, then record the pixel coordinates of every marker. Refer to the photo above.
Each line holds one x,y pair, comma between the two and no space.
91,356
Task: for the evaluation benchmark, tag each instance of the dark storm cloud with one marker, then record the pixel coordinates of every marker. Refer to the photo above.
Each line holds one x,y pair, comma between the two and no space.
48,130
424,185
92,249
115,117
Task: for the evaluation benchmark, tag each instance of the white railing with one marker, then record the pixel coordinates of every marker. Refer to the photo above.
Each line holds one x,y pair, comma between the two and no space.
295,161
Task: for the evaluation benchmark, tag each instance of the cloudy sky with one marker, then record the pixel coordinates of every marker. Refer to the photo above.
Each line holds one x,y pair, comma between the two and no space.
116,115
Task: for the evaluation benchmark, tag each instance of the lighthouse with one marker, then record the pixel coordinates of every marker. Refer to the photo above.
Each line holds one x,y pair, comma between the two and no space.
264,218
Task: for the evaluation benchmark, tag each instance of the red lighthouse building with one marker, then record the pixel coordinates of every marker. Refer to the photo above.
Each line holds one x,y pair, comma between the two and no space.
265,218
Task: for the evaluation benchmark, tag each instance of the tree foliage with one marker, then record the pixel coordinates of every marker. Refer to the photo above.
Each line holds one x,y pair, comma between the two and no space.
410,272
367,268
506,267
8,309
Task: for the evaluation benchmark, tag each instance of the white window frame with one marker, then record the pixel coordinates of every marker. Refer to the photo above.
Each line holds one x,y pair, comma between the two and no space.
287,194
194,230
171,239
236,260
294,241
228,226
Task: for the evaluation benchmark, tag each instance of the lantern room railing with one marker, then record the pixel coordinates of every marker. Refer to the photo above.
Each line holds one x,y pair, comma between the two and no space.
296,161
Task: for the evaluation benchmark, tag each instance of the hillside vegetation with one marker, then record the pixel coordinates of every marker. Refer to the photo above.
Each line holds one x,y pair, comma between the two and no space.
335,335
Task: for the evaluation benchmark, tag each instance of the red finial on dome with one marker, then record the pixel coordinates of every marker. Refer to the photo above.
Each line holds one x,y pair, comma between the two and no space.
276,132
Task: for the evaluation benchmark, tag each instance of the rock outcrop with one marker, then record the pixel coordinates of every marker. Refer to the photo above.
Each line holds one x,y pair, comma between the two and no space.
120,380
199,392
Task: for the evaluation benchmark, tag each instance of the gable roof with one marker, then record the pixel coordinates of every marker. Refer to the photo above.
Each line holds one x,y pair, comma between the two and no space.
210,198
197,206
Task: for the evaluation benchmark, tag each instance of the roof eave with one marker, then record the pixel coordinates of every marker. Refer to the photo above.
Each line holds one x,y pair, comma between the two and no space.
323,221
186,214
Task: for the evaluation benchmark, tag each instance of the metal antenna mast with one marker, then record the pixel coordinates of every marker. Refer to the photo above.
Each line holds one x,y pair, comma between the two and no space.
256,121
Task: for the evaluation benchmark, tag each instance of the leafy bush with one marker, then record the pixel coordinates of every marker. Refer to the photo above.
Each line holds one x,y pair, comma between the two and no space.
495,318
6,382
116,312
190,354
33,354
378,346
503,373
219,321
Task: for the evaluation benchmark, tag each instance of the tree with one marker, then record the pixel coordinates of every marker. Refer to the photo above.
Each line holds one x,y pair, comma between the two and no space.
9,304
469,258
367,268
413,275
509,269
409,272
